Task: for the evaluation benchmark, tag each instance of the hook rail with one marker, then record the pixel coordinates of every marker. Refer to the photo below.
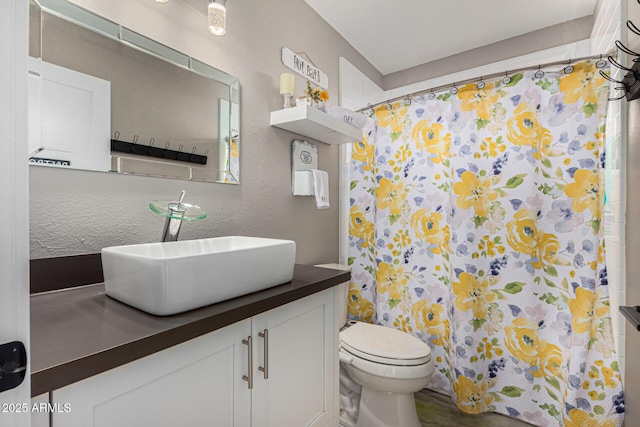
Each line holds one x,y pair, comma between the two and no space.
153,151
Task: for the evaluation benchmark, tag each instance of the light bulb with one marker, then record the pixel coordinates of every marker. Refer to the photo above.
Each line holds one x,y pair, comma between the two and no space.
217,17
162,1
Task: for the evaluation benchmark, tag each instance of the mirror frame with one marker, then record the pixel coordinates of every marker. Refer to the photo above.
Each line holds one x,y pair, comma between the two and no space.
86,19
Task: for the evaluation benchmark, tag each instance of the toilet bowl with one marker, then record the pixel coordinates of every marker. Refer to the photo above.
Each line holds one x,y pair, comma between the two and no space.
380,370
390,366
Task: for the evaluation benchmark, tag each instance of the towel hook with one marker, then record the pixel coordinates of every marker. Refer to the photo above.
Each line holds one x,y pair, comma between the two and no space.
631,26
624,86
626,50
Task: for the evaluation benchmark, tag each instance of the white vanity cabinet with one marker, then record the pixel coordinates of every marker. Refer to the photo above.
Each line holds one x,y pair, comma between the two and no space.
299,387
196,383
205,381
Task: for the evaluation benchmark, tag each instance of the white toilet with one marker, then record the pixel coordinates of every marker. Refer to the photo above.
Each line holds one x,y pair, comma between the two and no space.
380,370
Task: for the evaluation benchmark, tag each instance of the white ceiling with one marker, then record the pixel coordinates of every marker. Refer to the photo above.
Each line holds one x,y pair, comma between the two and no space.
394,35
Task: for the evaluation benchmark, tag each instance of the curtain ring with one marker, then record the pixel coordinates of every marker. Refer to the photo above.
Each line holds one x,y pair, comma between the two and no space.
454,89
539,74
135,139
431,95
116,135
481,84
151,142
601,63
370,110
388,106
568,69
407,101
506,79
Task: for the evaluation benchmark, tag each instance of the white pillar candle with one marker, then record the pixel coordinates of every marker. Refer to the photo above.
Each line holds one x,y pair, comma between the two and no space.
286,83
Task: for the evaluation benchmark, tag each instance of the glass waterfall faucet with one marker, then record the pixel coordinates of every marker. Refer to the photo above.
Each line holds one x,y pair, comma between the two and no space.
175,212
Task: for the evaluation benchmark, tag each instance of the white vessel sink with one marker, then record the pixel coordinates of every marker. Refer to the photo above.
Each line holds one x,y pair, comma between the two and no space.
173,277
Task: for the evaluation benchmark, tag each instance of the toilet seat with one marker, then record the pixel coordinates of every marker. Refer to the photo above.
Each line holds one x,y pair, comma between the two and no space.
384,345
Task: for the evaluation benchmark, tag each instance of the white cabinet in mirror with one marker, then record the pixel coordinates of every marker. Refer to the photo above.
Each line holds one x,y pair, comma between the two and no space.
105,98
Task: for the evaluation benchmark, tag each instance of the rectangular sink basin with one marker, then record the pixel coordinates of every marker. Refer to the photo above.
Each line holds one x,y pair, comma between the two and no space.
172,277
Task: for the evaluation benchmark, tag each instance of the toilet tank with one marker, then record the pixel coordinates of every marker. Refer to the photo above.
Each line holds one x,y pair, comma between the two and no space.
343,295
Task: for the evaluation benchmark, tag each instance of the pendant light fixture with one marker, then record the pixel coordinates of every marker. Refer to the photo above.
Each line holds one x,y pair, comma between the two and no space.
217,17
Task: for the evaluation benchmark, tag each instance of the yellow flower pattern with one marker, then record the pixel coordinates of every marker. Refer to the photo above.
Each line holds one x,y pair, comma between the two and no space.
360,226
471,397
363,152
586,307
476,225
582,83
525,130
359,308
431,318
475,192
432,138
432,227
481,101
392,118
473,294
584,192
391,280
391,195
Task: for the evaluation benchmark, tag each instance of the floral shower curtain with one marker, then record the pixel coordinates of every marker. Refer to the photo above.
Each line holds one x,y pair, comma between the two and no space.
476,225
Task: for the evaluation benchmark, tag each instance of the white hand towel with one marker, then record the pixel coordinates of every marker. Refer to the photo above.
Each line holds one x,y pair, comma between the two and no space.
321,188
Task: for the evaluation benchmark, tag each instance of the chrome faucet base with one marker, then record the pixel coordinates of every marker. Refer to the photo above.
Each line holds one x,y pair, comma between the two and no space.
175,213
171,230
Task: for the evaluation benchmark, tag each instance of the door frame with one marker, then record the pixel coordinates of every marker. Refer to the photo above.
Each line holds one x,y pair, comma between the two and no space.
14,187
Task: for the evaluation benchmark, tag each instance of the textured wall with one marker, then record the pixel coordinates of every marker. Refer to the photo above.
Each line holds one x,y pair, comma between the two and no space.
77,212
556,35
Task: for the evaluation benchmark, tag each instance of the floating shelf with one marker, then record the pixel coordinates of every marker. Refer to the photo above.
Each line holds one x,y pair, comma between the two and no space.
313,123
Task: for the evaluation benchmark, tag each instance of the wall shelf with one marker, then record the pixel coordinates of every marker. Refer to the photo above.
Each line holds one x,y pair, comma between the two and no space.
312,123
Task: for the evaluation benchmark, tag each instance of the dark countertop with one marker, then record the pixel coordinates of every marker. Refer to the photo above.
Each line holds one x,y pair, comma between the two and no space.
80,332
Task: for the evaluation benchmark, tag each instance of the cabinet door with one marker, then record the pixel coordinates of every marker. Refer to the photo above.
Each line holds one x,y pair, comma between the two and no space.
302,364
196,383
40,409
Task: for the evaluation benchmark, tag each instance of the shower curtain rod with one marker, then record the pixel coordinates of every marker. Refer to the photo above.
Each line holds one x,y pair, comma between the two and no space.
567,62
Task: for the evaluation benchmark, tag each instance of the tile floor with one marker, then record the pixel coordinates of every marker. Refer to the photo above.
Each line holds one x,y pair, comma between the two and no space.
435,409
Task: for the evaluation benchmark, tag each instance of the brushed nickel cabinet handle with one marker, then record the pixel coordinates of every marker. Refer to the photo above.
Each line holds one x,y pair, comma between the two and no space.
249,378
265,369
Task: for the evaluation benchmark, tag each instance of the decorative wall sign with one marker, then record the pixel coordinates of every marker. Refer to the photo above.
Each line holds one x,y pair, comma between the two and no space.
302,66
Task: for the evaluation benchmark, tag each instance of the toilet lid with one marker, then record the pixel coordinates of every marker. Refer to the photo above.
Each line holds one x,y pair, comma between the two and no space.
384,345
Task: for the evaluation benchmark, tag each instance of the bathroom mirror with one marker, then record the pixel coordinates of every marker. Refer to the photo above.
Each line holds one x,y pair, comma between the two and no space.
105,98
